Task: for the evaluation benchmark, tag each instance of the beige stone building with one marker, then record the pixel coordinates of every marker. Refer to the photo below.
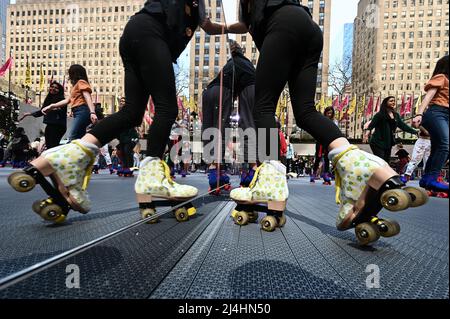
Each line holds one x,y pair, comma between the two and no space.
55,34
396,46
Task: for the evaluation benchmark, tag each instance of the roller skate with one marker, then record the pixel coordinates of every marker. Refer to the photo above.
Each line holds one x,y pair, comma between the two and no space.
327,179
69,168
95,169
155,188
183,173
268,193
312,179
216,184
247,177
434,184
365,184
111,169
127,172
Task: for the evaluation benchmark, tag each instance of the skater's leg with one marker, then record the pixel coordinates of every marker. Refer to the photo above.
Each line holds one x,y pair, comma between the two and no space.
435,121
416,157
53,135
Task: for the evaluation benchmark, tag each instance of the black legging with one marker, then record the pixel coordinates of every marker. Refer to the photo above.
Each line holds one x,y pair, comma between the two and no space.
381,152
211,101
126,155
53,135
291,53
321,152
148,71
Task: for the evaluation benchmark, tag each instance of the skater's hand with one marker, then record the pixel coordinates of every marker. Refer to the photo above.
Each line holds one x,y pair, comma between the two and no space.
365,139
94,118
24,116
46,109
417,121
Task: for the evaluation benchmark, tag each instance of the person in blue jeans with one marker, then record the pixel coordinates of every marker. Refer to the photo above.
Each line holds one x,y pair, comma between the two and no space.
80,101
435,121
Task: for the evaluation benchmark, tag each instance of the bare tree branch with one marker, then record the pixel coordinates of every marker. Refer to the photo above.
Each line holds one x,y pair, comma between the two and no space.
340,76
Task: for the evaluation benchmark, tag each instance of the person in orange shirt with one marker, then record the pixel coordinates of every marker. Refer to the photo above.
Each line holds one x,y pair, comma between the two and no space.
80,102
435,121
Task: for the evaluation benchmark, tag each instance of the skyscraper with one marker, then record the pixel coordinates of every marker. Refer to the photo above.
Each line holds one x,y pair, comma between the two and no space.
59,33
3,17
348,45
396,46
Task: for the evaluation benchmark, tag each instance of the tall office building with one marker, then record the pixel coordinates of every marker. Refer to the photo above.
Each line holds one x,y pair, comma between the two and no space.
55,34
348,45
396,46
3,17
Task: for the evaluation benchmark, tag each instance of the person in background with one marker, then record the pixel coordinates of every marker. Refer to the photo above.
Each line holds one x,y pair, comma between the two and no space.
82,107
384,125
289,156
403,159
20,148
421,152
435,121
322,153
56,119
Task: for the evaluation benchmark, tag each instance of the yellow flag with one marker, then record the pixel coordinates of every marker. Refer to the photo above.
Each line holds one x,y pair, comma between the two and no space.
28,75
418,103
362,107
329,102
41,80
352,108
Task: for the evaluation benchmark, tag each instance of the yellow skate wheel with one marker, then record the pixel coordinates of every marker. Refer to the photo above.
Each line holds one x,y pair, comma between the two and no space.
148,213
51,213
37,206
269,223
253,217
21,182
367,233
192,211
182,215
389,228
241,218
396,200
419,196
61,219
283,221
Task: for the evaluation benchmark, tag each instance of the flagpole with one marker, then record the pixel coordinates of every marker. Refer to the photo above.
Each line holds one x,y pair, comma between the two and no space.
10,72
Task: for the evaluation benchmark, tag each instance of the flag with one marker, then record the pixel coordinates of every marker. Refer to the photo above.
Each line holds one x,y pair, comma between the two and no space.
329,102
320,106
402,108
7,66
353,105
336,102
378,106
409,104
369,108
418,103
344,103
28,74
41,80
363,104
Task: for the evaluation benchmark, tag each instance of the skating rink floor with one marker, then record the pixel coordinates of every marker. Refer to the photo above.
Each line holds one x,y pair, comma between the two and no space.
210,257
